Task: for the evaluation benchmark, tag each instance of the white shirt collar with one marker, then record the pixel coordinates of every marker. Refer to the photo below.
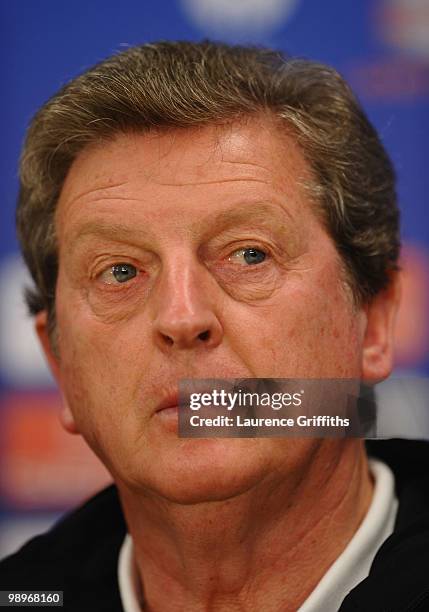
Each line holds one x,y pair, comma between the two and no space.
354,563
349,569
129,585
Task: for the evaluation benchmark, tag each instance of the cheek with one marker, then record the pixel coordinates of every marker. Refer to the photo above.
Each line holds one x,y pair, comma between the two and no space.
85,380
100,385
332,343
309,331
96,369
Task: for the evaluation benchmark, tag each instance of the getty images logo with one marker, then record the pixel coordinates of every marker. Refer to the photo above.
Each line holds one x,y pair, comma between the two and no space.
239,18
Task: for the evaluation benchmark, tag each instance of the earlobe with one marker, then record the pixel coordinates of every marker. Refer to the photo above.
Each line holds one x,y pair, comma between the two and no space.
378,344
67,418
41,325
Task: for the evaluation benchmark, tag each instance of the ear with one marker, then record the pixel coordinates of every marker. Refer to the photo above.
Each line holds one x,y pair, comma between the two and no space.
41,325
378,344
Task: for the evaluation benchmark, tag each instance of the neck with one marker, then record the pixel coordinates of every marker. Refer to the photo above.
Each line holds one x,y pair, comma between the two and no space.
254,551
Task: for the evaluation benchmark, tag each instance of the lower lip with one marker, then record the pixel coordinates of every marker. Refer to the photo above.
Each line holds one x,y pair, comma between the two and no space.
168,413
168,418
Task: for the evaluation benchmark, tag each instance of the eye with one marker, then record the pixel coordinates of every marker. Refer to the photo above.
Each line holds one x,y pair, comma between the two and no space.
119,273
250,256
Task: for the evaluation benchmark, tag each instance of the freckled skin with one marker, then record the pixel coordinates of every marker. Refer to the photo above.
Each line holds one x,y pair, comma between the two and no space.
272,320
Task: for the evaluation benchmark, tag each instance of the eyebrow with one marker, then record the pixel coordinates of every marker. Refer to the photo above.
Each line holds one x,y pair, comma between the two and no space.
262,212
273,217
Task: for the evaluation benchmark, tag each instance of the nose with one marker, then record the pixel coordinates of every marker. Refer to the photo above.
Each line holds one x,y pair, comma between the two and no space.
185,316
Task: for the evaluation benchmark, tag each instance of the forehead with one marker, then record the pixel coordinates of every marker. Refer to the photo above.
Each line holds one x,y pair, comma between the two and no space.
190,170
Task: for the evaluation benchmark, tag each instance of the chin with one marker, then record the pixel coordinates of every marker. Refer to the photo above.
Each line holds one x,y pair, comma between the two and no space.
202,470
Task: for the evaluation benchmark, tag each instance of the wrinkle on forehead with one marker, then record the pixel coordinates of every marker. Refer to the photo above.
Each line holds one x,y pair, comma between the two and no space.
209,155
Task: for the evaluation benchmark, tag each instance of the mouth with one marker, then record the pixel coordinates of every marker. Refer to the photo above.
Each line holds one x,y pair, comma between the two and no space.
169,404
172,401
167,411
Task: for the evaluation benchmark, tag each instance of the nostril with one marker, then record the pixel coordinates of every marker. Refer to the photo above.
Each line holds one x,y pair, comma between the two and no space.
205,335
168,340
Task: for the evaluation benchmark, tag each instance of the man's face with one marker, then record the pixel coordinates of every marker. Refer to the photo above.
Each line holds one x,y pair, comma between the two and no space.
193,254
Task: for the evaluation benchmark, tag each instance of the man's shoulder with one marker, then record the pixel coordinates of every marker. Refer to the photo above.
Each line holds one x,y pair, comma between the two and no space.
78,556
398,579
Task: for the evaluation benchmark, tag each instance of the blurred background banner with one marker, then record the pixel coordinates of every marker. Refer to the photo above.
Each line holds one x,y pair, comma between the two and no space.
382,49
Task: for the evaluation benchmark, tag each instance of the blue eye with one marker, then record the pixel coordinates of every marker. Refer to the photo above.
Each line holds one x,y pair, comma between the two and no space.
253,256
123,272
250,256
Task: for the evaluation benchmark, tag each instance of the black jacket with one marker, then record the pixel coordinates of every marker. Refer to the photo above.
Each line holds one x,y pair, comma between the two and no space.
80,554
